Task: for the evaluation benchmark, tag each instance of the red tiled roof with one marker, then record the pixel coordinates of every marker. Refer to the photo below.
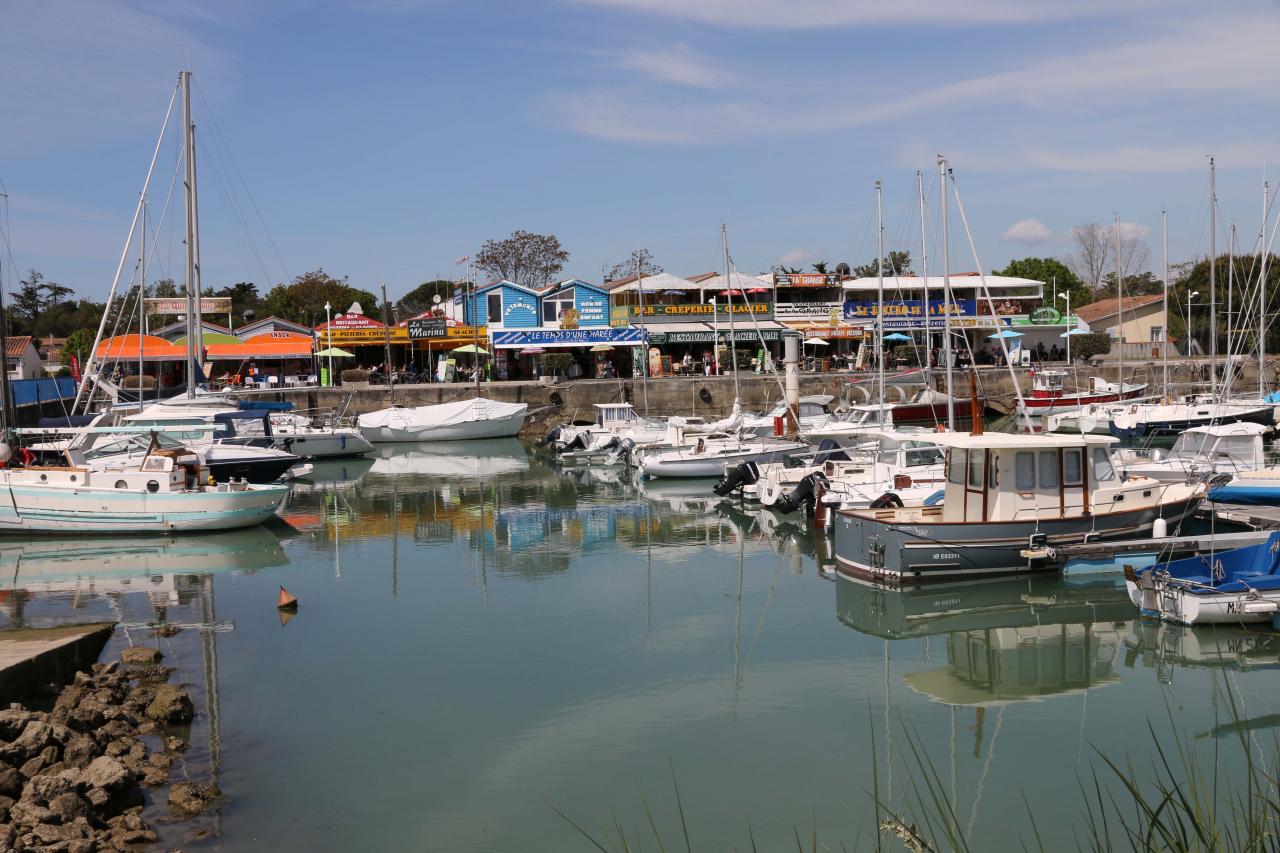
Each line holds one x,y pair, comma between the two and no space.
15,347
1095,311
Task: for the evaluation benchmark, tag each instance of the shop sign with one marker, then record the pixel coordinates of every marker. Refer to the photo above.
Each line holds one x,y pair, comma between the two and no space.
364,336
428,327
909,309
784,310
706,337
567,337
1046,315
178,305
806,279
699,312
593,308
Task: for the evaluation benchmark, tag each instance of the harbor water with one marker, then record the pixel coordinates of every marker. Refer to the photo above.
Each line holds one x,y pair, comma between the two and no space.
489,647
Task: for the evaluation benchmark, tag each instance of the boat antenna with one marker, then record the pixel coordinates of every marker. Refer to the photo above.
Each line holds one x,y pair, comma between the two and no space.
1213,279
386,328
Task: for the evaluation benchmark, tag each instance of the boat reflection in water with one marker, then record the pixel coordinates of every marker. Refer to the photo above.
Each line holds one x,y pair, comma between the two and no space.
1007,640
487,458
1164,646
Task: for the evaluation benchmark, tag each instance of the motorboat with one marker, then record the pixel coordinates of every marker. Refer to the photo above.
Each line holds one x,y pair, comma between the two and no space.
855,425
291,433
1200,453
1167,420
1008,501
165,491
1049,394
478,417
613,421
815,411
928,407
108,451
1234,586
710,455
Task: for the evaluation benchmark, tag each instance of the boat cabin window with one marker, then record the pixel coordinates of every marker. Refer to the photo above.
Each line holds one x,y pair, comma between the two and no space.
922,455
1048,464
1024,463
1102,470
975,469
955,466
1072,468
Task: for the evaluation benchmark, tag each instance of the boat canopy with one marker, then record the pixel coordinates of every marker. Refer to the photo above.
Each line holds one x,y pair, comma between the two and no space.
1018,441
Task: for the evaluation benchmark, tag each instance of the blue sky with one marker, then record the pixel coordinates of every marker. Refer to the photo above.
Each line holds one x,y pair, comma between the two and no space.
382,139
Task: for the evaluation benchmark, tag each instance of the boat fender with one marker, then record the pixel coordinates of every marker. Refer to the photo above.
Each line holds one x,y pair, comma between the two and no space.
737,477
1159,529
888,500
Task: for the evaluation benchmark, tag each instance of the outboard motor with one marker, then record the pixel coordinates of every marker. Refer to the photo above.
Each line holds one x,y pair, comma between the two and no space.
613,442
803,494
830,451
579,443
735,478
887,501
550,437
622,450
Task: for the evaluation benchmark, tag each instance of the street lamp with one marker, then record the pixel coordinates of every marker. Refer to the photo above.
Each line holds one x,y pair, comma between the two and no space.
715,336
1190,296
328,342
1067,296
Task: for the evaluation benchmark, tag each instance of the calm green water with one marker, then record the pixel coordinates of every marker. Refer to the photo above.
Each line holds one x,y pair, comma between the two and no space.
482,636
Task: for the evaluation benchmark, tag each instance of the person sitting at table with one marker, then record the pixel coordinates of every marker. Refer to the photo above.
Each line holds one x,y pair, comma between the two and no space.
687,361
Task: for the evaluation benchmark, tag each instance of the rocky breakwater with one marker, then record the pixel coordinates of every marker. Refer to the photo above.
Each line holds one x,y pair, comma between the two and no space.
72,777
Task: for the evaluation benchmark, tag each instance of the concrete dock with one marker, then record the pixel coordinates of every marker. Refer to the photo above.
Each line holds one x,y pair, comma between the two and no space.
31,657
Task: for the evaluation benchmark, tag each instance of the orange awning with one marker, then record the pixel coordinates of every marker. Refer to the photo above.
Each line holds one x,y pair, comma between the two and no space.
276,349
125,348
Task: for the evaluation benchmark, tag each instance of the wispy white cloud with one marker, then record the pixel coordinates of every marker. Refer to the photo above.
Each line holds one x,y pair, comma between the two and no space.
796,258
675,64
94,70
810,14
1123,159
1029,232
1193,58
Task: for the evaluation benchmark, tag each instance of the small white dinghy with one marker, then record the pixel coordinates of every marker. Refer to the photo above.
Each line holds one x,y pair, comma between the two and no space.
1238,585
465,419
709,456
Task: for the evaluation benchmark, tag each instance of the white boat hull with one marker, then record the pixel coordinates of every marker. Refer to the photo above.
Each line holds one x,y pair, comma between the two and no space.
43,509
324,445
685,463
482,419
1176,605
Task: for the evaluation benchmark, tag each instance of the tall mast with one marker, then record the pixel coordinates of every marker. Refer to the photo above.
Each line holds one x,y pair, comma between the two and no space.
386,330
1213,280
1262,292
1164,229
946,297
1120,308
189,195
880,299
1231,283
142,293
733,348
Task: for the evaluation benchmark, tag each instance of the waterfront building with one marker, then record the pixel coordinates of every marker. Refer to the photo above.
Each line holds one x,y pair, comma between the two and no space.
1143,330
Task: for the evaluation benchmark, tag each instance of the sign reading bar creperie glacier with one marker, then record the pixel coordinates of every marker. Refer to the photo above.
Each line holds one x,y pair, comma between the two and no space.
178,305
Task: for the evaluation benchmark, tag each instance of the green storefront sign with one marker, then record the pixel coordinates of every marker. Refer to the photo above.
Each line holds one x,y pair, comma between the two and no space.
1046,315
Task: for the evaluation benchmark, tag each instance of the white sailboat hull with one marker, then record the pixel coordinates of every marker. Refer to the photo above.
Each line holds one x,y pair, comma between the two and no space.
447,422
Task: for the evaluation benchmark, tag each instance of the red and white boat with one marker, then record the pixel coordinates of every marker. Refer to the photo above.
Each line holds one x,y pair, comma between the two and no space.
1049,395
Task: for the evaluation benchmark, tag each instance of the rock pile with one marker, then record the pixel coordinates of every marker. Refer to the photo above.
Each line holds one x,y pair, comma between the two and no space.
71,778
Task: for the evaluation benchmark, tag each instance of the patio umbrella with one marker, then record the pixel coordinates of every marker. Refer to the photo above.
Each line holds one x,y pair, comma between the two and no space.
733,292
1073,332
335,352
759,290
472,348
532,351
602,348
897,336
816,342
1004,333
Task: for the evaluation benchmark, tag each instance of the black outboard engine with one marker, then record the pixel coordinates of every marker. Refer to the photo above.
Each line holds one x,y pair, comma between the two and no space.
622,449
579,443
830,451
550,437
609,445
735,478
803,494
888,500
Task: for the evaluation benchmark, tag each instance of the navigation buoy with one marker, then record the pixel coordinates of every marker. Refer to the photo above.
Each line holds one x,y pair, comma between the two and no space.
286,601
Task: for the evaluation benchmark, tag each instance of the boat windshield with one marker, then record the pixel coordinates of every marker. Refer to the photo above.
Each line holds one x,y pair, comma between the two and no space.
1191,444
130,443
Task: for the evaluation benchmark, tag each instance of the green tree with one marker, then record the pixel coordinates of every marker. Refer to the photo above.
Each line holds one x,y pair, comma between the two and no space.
895,263
530,260
244,297
1090,344
640,263
27,303
78,342
303,299
1057,277
821,267
420,298
1185,279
